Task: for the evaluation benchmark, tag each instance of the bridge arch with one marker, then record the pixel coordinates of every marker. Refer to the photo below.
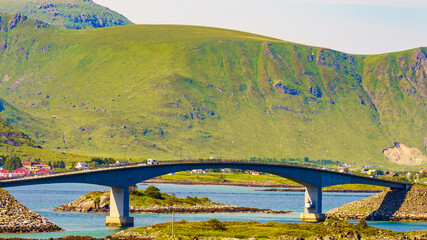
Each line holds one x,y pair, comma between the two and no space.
121,177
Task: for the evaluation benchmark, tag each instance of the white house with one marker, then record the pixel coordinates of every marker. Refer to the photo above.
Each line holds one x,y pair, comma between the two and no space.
122,163
81,165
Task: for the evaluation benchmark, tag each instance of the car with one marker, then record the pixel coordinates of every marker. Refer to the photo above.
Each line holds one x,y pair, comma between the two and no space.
152,162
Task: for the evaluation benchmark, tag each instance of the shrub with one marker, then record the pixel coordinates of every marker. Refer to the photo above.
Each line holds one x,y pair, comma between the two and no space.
362,224
153,192
215,224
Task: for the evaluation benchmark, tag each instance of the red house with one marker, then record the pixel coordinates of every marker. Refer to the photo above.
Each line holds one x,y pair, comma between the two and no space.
5,173
22,172
43,171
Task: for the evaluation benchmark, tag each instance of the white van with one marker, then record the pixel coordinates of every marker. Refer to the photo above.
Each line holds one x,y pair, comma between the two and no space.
152,162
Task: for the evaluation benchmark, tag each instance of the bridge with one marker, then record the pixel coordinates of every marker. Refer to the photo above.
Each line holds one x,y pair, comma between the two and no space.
119,178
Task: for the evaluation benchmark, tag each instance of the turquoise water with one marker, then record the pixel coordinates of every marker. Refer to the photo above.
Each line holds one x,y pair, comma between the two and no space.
43,198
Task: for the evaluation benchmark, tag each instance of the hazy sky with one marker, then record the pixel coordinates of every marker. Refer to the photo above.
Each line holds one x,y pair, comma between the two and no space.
352,26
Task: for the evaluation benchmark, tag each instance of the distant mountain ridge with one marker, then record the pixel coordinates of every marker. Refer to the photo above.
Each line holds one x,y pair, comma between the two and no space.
195,92
72,14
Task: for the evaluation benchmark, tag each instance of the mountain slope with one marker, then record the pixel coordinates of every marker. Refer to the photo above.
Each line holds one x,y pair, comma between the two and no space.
167,91
73,14
11,136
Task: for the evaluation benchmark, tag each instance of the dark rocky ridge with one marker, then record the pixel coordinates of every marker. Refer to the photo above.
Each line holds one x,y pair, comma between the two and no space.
16,218
72,14
387,206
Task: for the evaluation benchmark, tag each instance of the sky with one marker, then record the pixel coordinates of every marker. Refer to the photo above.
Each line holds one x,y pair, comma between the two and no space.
351,26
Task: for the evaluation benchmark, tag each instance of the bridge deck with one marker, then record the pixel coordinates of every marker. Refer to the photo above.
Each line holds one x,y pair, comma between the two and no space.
177,165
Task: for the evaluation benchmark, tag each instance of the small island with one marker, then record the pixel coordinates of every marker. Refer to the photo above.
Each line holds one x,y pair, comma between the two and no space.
151,200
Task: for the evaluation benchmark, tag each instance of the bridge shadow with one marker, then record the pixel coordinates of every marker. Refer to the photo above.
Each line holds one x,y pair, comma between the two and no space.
391,203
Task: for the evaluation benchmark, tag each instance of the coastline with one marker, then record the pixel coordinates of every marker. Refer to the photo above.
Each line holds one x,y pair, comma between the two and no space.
391,205
273,187
176,209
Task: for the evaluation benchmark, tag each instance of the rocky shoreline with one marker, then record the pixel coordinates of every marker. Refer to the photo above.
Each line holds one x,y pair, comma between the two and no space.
89,204
283,187
16,218
239,184
397,205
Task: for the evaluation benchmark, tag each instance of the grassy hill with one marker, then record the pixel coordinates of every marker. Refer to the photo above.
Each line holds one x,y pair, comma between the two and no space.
73,14
10,136
166,91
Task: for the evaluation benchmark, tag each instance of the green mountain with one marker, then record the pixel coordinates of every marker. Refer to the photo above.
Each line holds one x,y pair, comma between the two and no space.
167,91
73,14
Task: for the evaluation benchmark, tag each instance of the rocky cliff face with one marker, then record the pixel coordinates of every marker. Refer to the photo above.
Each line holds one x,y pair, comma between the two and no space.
16,218
387,206
404,155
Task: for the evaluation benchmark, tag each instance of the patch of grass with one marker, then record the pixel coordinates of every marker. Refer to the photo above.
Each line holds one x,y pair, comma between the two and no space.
272,230
265,179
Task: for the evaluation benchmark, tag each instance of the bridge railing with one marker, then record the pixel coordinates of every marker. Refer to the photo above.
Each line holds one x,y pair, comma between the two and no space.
117,166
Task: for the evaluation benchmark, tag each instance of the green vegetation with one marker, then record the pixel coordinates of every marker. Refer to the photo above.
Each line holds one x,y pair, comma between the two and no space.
151,197
254,230
74,14
244,178
10,163
13,137
95,162
170,92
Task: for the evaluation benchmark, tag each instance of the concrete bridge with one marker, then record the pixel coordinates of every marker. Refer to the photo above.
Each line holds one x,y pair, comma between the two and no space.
119,178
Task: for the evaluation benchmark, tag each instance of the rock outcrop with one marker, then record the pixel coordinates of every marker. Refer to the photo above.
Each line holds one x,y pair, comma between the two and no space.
16,218
402,154
397,205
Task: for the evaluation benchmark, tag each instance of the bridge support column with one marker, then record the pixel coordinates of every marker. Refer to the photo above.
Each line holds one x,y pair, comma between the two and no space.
119,208
312,205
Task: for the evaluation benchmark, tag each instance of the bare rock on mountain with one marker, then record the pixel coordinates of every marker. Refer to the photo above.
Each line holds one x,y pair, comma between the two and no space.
404,155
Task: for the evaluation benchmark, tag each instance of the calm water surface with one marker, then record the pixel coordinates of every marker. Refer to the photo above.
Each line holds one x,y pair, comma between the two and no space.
43,198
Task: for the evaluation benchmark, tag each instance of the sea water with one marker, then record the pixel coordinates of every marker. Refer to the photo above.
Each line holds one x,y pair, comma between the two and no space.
44,198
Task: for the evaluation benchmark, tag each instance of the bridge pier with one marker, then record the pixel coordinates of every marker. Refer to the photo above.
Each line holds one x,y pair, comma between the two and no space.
119,208
312,205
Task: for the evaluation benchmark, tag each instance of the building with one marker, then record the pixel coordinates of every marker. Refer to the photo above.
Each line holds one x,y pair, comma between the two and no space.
43,171
197,171
39,166
122,163
22,172
81,165
5,174
27,164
